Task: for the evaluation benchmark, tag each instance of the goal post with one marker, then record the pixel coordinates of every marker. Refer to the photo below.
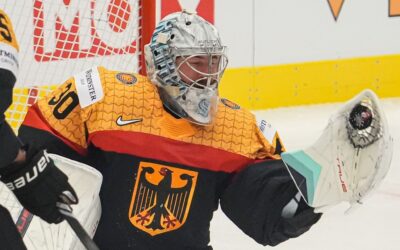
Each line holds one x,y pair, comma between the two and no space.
59,38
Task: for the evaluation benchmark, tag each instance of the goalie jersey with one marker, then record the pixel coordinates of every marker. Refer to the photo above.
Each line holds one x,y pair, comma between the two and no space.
163,176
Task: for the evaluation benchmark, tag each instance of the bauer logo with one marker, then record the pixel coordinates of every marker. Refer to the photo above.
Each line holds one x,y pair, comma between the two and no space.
30,175
71,29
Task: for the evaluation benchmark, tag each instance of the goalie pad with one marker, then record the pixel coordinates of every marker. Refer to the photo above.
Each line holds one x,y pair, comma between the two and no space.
36,233
351,157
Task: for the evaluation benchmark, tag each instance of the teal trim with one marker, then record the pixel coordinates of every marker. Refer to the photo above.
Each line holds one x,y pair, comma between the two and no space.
306,166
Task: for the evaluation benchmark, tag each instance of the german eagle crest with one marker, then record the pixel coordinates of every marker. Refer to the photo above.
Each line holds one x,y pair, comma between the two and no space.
161,198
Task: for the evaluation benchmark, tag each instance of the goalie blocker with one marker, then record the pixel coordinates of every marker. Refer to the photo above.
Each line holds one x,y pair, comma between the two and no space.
350,159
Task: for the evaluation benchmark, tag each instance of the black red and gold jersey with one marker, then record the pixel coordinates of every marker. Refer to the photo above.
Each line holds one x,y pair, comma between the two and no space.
163,176
8,45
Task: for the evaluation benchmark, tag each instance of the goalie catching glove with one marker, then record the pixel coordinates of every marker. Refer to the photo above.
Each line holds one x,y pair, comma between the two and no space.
39,185
349,160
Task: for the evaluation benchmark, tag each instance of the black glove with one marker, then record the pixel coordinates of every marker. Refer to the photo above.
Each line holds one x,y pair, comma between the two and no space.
297,217
39,185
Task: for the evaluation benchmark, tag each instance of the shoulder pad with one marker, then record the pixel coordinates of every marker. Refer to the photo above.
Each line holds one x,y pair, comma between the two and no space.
89,87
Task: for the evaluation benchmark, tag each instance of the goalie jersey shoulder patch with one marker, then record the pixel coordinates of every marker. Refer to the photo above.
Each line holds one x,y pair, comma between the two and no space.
230,104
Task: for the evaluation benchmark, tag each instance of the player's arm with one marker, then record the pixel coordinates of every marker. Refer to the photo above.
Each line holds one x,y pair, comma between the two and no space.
58,121
9,146
262,199
55,123
347,162
26,170
38,184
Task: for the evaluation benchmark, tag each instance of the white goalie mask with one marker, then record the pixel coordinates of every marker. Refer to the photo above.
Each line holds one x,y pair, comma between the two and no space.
186,60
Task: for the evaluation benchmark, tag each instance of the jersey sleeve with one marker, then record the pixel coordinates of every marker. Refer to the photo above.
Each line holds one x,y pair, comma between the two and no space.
254,201
59,119
8,45
9,143
256,195
269,139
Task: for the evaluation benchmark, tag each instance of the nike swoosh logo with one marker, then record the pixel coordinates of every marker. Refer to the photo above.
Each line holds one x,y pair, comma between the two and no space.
121,122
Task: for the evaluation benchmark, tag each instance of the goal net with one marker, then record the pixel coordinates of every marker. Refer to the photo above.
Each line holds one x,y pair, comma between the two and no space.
57,39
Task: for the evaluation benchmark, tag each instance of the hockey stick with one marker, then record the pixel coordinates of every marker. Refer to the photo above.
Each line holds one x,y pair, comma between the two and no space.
79,230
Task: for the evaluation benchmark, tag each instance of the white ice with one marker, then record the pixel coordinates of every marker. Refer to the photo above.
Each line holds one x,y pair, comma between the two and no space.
373,226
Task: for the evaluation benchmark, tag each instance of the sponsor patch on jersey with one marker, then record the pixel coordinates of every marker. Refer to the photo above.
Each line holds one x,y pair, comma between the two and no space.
230,104
9,58
161,198
125,78
271,134
89,88
266,128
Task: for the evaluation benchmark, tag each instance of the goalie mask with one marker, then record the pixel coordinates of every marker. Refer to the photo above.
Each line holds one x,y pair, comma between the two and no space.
186,60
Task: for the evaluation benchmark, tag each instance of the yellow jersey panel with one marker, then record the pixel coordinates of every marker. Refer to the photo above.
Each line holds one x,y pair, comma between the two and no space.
136,106
62,112
131,103
7,34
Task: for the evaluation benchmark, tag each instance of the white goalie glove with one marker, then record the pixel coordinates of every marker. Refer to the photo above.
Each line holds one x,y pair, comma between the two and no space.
350,159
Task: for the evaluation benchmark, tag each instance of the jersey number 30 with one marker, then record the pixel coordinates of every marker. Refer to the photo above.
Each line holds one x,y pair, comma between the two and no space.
65,103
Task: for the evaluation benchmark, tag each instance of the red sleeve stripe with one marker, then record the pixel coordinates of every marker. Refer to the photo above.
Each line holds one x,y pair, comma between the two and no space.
168,150
35,119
